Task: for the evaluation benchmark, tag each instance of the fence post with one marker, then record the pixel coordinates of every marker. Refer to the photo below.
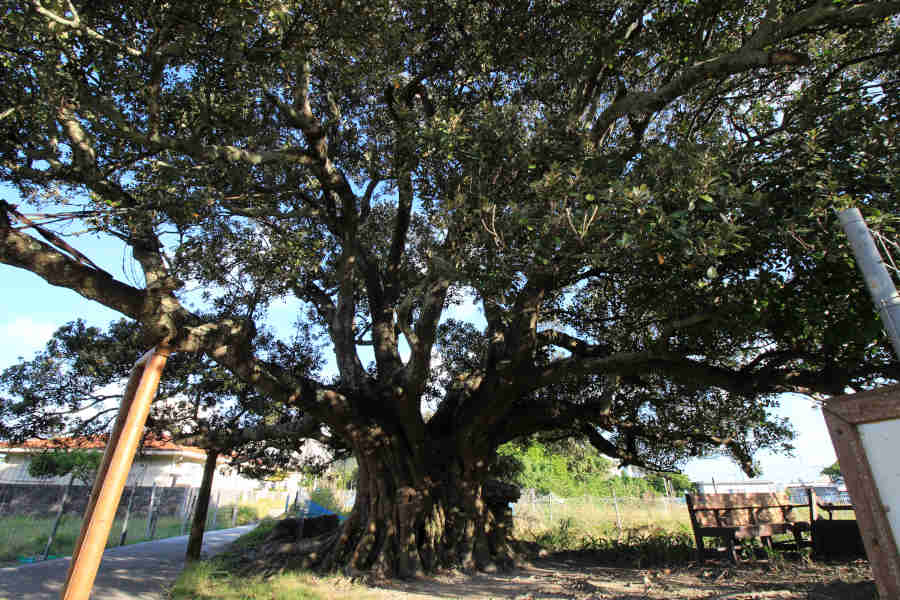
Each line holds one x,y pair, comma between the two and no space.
150,511
234,509
216,510
134,488
6,494
186,500
192,500
618,518
154,520
59,516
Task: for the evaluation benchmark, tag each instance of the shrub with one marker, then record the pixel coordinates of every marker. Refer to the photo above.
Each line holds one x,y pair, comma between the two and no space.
324,497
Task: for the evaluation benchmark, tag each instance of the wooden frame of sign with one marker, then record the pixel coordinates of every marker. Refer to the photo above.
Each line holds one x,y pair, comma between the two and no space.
857,423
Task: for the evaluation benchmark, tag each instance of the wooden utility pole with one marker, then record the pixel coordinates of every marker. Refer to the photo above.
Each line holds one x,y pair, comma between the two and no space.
113,473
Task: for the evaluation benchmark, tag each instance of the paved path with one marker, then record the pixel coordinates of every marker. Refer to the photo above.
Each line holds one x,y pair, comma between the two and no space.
136,572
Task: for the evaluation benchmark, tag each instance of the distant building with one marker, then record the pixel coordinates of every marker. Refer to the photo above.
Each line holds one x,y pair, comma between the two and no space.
826,491
160,461
750,486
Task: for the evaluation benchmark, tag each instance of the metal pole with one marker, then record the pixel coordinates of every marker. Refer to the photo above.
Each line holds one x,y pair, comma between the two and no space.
618,518
878,280
59,516
216,510
150,511
112,474
134,488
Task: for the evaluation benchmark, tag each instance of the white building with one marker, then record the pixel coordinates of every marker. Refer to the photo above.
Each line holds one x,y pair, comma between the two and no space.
160,461
826,491
749,486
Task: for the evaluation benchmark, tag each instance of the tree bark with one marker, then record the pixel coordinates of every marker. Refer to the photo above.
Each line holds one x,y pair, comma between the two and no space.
416,512
198,525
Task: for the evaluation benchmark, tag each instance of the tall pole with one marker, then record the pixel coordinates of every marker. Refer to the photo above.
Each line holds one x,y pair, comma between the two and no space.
112,474
878,280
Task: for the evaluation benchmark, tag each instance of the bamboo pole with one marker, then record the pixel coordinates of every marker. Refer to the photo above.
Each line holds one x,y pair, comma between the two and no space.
112,474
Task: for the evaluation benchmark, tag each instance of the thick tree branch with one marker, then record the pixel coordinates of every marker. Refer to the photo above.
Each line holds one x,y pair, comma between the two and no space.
233,438
757,53
25,252
433,298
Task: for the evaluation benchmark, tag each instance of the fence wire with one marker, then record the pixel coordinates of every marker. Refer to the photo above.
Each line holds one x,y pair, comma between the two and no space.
599,515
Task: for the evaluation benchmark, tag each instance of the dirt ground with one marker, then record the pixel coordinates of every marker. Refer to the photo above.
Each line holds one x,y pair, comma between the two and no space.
575,576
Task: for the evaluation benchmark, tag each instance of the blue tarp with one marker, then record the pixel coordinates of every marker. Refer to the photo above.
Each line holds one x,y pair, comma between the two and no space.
317,510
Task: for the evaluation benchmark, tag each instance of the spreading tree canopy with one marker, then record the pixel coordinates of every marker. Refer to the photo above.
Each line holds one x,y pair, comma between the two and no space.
74,387
638,198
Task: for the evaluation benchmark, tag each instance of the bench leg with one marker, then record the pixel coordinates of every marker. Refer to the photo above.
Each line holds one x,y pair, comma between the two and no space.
701,551
732,549
798,537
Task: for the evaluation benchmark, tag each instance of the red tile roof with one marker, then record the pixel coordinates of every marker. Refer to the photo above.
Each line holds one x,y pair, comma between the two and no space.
150,442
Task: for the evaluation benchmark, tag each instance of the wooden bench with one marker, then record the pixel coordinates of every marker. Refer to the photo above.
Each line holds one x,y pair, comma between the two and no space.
733,518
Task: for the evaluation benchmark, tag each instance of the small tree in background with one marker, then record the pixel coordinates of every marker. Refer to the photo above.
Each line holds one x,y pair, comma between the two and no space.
833,472
80,465
669,483
73,387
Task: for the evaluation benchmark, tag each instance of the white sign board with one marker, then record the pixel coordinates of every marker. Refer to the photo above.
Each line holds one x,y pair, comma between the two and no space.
881,442
865,431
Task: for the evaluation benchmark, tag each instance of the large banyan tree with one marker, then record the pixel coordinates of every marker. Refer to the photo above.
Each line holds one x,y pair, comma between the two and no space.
637,199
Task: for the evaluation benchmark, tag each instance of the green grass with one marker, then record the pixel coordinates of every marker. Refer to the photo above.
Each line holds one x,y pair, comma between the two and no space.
598,518
207,580
214,579
22,536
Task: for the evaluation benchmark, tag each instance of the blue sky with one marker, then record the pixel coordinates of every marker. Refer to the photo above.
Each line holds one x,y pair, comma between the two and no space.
31,310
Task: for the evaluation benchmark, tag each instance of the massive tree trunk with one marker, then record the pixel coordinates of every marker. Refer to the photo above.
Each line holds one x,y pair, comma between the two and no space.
421,509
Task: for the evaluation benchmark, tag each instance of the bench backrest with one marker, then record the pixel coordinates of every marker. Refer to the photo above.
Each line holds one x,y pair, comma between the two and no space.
734,510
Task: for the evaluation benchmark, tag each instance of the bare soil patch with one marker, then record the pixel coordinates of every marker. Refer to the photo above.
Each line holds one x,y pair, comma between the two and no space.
576,576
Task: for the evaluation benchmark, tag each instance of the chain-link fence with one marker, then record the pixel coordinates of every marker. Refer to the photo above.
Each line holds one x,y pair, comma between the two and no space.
598,515
44,520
